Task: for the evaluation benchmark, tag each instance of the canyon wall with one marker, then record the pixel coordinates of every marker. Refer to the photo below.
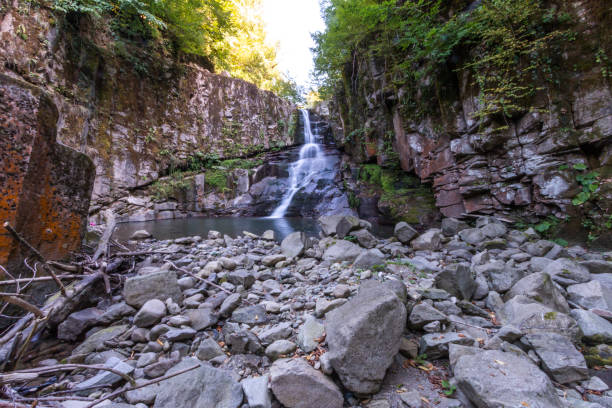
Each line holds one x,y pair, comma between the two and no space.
527,170
45,186
137,116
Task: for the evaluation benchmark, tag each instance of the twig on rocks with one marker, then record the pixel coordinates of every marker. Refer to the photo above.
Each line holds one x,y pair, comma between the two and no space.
25,243
135,387
203,280
39,279
471,325
141,253
106,236
20,375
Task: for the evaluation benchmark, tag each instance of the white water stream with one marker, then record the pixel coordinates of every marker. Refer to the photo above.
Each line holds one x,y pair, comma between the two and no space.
310,163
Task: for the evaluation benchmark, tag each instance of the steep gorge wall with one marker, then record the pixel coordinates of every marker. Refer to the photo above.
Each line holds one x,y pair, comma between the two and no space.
525,171
136,117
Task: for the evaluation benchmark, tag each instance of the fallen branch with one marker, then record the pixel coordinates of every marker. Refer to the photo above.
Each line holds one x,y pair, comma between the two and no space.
141,253
135,387
12,299
20,375
39,279
111,222
25,243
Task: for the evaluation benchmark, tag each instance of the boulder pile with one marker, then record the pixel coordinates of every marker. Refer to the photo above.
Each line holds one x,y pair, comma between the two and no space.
477,315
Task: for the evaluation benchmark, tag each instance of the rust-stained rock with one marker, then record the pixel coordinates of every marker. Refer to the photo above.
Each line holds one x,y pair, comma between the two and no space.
46,186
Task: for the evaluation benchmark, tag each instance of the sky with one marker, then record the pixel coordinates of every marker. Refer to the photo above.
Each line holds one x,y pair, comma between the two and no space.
290,22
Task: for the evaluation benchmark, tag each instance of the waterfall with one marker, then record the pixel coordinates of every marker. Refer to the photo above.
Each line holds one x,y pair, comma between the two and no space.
311,162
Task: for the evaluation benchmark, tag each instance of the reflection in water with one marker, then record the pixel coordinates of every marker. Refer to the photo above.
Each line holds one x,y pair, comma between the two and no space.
232,226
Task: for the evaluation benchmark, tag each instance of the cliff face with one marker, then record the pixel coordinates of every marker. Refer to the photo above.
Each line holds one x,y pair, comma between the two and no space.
530,168
136,116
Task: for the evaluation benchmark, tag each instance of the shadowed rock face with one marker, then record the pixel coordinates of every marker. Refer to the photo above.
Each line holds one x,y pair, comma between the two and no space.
45,186
478,167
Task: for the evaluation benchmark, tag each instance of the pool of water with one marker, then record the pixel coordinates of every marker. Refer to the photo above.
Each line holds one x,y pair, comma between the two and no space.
232,226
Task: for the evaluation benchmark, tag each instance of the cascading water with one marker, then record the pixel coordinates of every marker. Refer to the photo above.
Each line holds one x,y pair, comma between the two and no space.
311,162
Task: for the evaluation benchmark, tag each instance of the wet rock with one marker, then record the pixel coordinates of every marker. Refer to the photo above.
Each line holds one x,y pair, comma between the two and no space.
256,392
203,387
369,259
404,232
342,251
457,280
141,234
559,357
297,385
158,285
498,379
77,322
428,241
594,328
372,320
308,333
294,245
540,287
280,348
150,313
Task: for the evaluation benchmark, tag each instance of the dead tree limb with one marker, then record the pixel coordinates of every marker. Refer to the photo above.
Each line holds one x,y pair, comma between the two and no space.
26,374
141,253
39,279
12,299
25,243
111,222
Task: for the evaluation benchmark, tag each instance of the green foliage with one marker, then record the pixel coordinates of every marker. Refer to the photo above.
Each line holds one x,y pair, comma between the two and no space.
170,186
513,47
350,238
449,389
217,179
353,200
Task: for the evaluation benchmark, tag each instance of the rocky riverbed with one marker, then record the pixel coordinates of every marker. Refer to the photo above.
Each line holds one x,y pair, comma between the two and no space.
476,315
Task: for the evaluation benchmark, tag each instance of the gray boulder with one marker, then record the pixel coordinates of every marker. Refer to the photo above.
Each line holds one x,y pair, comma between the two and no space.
202,318
369,258
457,280
241,277
497,379
328,224
342,251
251,315
158,285
364,336
500,276
423,314
559,357
435,345
96,340
346,225
532,317
567,272
294,244
209,349
203,387
103,378
365,238
591,295
256,392
141,234
452,226
309,332
150,313
595,329
539,287
280,348
428,241
472,236
297,385
404,232
77,322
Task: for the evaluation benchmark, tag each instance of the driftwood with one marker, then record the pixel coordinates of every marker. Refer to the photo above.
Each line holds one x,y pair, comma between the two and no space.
32,373
103,246
15,300
38,279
